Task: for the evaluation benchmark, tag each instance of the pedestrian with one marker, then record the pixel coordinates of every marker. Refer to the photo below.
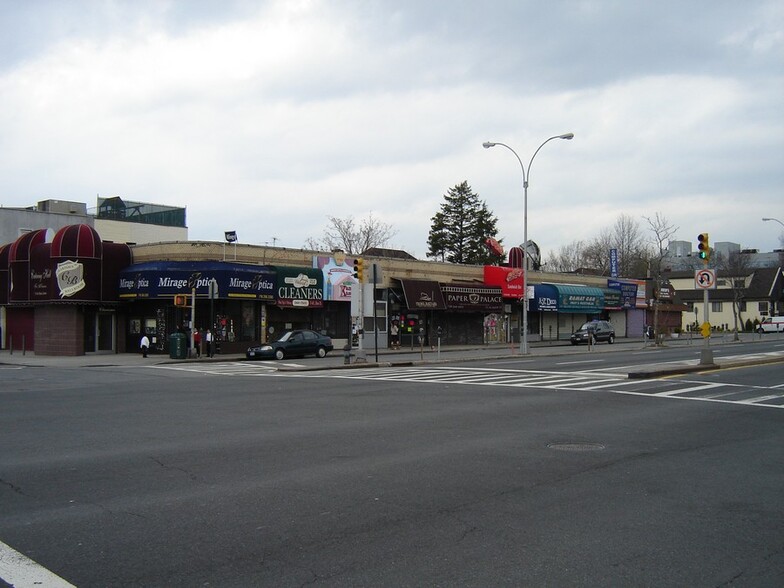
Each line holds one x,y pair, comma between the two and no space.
144,345
394,335
208,338
197,342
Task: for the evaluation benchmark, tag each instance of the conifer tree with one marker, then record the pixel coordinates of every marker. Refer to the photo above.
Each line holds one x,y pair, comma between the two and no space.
459,230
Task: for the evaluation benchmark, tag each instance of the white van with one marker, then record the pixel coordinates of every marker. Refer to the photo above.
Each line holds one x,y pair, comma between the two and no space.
771,324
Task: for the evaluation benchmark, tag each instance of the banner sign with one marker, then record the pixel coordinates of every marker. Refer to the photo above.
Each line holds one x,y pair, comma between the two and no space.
628,292
165,279
509,279
614,263
473,299
338,276
299,287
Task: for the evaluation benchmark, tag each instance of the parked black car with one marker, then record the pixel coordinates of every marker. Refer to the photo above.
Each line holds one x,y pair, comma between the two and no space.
594,331
293,344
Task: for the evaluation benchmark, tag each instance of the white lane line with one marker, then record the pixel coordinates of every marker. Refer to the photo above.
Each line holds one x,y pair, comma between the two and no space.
22,572
578,362
778,386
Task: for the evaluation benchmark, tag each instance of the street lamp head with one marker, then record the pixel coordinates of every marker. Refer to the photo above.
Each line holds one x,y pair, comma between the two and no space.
567,136
488,144
767,219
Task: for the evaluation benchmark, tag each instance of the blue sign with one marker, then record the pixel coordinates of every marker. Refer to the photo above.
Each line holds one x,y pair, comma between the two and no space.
614,263
167,278
628,292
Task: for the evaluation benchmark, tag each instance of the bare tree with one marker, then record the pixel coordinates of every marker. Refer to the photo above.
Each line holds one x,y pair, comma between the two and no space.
627,239
569,258
345,234
737,268
663,232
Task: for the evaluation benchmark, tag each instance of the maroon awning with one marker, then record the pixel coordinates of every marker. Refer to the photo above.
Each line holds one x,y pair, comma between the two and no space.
423,295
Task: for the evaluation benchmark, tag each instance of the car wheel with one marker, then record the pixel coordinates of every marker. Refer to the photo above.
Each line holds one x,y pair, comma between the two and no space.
279,354
611,339
321,352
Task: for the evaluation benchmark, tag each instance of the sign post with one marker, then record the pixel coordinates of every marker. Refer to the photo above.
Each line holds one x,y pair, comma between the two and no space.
705,279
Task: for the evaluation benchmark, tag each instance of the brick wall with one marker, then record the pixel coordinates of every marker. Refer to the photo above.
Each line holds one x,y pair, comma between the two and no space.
59,330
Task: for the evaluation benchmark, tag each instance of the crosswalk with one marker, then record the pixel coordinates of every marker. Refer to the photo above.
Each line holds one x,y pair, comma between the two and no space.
683,389
227,368
588,381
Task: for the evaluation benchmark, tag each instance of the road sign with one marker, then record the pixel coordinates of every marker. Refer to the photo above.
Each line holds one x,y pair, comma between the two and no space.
705,279
705,329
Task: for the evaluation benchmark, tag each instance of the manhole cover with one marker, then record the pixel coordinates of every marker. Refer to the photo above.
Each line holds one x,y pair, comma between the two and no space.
571,446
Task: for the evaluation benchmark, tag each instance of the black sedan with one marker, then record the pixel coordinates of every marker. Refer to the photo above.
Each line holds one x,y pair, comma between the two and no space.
293,344
593,332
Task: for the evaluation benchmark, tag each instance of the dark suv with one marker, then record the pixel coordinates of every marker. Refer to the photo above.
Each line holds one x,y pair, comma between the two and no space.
593,332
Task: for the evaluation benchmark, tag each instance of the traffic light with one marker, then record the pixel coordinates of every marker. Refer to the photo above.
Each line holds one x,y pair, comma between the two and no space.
359,269
180,300
703,247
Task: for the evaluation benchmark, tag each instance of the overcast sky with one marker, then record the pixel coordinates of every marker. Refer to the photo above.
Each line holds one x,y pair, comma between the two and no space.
268,117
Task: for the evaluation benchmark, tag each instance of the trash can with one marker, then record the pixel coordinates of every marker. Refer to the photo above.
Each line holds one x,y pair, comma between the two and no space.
177,349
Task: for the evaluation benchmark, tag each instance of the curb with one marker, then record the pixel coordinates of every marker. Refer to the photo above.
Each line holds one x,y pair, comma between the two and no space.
690,369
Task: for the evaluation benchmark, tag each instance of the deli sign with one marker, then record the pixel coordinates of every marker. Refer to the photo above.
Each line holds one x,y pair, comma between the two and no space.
509,279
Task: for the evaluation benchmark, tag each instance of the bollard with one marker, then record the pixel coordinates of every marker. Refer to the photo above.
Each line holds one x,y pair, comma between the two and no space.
347,354
24,346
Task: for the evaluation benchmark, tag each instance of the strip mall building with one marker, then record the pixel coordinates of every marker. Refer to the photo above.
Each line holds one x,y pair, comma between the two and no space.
69,293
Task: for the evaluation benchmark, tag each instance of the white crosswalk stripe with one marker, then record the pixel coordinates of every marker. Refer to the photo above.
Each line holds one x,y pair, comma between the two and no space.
229,368
587,381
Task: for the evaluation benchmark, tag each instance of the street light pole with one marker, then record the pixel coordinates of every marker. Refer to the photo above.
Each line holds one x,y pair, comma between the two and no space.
526,175
773,219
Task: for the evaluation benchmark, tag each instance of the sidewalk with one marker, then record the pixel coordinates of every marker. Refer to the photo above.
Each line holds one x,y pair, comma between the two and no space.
405,356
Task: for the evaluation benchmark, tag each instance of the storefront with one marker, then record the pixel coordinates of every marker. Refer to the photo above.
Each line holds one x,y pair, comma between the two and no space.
474,315
61,292
561,309
234,313
509,280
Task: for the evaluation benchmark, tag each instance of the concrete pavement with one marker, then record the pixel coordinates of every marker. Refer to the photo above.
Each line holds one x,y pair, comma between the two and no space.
406,356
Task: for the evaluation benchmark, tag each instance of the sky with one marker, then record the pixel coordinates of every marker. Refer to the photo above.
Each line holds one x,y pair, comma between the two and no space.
269,117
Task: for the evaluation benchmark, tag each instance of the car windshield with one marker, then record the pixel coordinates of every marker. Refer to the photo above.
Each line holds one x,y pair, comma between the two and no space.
286,336
588,327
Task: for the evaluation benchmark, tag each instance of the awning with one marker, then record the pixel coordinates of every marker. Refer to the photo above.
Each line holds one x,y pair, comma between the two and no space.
579,298
561,298
164,279
423,295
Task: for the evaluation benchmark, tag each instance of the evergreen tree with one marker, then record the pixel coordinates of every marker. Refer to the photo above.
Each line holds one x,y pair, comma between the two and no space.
459,230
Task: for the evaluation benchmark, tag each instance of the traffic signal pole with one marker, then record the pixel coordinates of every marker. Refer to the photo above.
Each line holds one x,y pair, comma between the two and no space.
706,353
704,252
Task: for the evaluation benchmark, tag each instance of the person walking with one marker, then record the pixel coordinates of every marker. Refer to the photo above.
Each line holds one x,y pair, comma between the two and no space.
197,342
394,335
208,338
144,345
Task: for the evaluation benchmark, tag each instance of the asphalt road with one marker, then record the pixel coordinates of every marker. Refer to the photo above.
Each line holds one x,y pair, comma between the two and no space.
493,472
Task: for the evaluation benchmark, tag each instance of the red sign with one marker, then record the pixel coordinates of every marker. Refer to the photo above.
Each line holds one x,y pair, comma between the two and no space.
494,246
509,279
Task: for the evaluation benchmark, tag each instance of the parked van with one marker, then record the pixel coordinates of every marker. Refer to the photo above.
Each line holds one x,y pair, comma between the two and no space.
772,324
